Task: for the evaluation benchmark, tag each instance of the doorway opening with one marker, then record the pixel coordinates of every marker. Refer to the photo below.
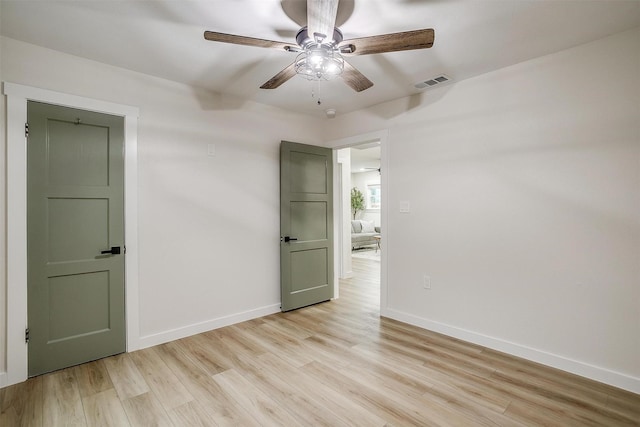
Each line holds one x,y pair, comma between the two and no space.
365,207
365,201
361,234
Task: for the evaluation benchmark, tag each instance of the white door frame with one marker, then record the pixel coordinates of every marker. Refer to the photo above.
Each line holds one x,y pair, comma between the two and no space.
339,246
17,97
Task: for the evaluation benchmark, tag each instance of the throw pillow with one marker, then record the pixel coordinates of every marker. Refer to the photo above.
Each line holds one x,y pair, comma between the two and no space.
368,227
356,226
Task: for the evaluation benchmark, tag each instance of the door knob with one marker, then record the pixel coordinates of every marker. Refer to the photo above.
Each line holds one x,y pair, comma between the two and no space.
288,239
115,250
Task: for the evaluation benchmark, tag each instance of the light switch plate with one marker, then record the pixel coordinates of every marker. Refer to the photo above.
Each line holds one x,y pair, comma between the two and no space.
211,150
405,206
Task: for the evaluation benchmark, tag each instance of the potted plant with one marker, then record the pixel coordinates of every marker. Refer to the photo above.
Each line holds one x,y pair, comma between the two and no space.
357,201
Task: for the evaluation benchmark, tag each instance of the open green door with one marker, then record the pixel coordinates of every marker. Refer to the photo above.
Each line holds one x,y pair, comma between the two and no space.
306,225
75,180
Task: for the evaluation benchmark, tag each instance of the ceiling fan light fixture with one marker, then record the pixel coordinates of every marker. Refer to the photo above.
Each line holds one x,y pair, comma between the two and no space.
319,63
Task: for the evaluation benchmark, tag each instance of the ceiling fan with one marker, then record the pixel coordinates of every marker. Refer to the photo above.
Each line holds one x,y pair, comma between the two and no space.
320,47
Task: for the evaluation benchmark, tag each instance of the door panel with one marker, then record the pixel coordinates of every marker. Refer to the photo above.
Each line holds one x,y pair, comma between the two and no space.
78,228
75,210
307,173
306,215
309,220
308,269
86,156
70,320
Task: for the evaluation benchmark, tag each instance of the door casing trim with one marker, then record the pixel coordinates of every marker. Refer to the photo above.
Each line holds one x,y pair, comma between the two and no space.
16,303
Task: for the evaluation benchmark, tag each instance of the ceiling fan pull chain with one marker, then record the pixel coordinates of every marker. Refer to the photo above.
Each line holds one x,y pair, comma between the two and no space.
315,91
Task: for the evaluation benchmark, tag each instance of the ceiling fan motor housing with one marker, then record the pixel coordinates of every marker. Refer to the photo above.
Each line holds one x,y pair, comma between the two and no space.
304,40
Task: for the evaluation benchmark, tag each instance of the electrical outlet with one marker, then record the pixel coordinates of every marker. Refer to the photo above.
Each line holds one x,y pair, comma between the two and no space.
426,282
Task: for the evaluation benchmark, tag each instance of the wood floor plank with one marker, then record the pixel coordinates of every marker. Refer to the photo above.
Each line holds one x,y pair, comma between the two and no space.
429,337
625,403
105,409
92,377
236,343
253,347
366,396
464,384
283,387
220,406
275,345
190,374
333,364
203,349
191,414
62,404
435,356
580,407
21,404
292,329
161,380
255,402
332,405
145,410
325,350
125,376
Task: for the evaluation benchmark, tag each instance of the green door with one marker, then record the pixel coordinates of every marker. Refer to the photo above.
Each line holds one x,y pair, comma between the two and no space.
306,225
75,211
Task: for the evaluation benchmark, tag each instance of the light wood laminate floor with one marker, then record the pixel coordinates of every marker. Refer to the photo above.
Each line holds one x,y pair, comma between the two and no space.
333,364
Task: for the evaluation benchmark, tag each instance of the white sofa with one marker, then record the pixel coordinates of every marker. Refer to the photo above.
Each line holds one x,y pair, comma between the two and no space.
363,233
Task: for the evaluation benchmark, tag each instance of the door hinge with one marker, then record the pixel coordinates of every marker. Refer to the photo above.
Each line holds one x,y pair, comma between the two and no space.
26,335
26,130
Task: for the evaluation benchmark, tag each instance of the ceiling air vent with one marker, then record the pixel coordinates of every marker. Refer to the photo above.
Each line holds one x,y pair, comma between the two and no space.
433,82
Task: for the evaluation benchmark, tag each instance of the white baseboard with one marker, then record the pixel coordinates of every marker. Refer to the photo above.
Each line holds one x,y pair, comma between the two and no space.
197,328
3,379
596,373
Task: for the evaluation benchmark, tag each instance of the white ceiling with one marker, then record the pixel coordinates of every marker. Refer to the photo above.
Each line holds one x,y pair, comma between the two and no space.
365,158
165,38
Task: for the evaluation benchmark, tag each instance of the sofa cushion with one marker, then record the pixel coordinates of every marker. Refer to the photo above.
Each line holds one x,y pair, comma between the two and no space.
362,239
368,227
356,226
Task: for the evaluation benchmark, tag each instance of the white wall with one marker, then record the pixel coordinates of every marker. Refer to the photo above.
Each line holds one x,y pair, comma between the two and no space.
203,219
360,180
525,208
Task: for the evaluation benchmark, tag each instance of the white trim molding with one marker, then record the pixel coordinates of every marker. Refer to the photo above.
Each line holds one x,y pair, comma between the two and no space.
616,379
17,97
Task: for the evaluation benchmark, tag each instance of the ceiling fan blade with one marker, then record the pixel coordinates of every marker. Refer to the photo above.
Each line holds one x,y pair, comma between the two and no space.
408,40
296,10
280,78
354,78
321,17
246,41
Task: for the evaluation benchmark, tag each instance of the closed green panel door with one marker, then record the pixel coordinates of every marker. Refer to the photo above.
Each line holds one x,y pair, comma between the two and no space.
75,210
306,225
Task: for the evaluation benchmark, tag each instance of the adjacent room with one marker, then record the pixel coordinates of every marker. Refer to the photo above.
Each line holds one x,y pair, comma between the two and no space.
181,242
